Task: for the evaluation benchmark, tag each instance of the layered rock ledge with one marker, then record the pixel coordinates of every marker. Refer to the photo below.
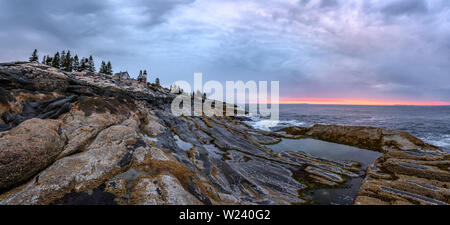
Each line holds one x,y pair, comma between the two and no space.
409,172
91,138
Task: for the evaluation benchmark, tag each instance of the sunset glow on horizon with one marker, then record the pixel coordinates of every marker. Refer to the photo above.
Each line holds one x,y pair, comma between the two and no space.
342,101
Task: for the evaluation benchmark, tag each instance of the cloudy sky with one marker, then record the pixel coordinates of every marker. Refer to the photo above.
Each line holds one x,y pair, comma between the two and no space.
382,51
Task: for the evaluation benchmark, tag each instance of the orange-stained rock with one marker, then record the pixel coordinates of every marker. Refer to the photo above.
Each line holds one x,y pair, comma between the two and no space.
27,149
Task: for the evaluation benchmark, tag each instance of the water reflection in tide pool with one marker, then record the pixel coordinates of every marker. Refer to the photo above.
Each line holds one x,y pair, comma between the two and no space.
344,194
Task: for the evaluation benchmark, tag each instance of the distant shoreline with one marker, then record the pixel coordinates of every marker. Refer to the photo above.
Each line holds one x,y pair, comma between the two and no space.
355,105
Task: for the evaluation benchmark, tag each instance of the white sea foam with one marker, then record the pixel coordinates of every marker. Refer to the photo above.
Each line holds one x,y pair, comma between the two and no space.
442,141
266,125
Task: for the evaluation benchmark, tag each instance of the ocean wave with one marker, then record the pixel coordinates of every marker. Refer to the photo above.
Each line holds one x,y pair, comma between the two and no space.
268,125
442,141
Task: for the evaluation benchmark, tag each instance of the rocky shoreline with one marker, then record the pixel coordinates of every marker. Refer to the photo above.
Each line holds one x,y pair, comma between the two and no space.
91,138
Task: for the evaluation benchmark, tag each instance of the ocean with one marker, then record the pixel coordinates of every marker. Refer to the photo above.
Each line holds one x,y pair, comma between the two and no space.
429,123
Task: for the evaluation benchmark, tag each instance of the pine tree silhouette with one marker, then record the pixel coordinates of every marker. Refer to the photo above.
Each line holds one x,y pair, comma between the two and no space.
90,64
34,57
76,64
56,62
109,68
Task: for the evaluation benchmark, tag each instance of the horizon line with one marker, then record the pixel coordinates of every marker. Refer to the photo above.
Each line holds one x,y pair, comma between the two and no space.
288,103
356,102
360,101
342,104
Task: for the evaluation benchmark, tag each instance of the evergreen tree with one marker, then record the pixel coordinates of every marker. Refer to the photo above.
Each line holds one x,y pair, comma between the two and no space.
83,65
157,82
44,60
103,68
67,62
109,68
62,60
76,64
91,65
56,61
34,57
49,60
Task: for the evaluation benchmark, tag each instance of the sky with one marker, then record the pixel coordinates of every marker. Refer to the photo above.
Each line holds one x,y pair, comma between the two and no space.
321,51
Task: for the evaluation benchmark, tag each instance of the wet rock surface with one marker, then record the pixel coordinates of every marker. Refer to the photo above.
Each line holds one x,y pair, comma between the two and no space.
91,138
409,172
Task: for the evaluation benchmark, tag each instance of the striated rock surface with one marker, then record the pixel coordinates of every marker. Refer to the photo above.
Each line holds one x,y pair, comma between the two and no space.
407,177
409,172
91,138
372,138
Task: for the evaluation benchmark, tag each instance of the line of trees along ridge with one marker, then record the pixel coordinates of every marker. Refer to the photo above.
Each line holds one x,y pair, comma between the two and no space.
65,61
